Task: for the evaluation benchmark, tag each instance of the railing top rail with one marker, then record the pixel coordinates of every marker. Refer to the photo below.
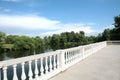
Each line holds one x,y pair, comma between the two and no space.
25,59
114,41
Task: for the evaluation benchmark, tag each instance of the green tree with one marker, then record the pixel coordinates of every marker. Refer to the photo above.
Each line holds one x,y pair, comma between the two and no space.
47,42
63,41
2,37
99,38
39,43
117,21
23,43
106,34
54,42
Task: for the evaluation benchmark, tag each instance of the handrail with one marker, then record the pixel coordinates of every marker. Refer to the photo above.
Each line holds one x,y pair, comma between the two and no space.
25,59
51,63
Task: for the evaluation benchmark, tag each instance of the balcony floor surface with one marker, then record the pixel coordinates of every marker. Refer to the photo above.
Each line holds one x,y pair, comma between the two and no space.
102,65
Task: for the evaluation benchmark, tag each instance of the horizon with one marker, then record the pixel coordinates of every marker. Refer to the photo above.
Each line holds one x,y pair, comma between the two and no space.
47,17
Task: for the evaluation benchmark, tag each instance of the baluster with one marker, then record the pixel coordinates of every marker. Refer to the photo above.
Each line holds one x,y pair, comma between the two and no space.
72,55
36,69
57,61
5,73
41,69
50,65
30,71
67,57
0,73
23,77
46,65
14,72
76,54
54,61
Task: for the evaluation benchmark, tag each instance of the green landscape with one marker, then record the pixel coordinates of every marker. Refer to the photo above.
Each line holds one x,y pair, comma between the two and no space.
57,41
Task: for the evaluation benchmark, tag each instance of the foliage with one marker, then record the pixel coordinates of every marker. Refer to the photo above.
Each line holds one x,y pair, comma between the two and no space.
2,37
117,21
106,34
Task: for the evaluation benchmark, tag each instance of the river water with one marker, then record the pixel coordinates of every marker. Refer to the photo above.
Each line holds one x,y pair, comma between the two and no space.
17,54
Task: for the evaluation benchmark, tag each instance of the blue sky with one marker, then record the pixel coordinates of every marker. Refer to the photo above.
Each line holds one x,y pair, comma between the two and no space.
47,17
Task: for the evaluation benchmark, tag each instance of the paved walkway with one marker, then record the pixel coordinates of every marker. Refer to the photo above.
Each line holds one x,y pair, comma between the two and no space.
103,65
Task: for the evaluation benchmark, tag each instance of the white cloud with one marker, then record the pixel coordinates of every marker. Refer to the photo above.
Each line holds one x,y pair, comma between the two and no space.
27,22
45,26
76,27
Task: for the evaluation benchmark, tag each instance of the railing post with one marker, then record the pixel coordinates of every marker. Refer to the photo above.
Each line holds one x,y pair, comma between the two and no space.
0,74
14,72
42,68
50,65
30,70
5,73
36,70
83,51
23,76
62,60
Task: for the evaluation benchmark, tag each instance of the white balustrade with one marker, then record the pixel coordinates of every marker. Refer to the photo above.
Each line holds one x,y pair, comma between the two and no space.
36,70
5,73
41,65
46,65
57,61
23,77
14,72
51,63
30,70
54,62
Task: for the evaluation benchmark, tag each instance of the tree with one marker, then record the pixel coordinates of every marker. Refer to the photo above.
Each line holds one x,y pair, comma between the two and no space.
47,42
39,43
63,41
2,37
106,34
54,42
23,43
117,21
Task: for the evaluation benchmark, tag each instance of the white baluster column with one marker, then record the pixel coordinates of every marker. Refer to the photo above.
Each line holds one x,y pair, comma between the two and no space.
67,61
46,65
50,64
54,61
36,69
58,61
5,73
30,70
83,51
23,77
41,69
14,72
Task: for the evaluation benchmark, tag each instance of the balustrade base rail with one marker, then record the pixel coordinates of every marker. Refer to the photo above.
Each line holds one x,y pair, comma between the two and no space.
47,65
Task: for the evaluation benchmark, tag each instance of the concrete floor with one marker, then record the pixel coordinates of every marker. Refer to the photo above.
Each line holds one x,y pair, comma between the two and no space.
103,65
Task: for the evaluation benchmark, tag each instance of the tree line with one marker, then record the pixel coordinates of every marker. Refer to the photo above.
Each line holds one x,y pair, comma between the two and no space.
56,41
59,41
